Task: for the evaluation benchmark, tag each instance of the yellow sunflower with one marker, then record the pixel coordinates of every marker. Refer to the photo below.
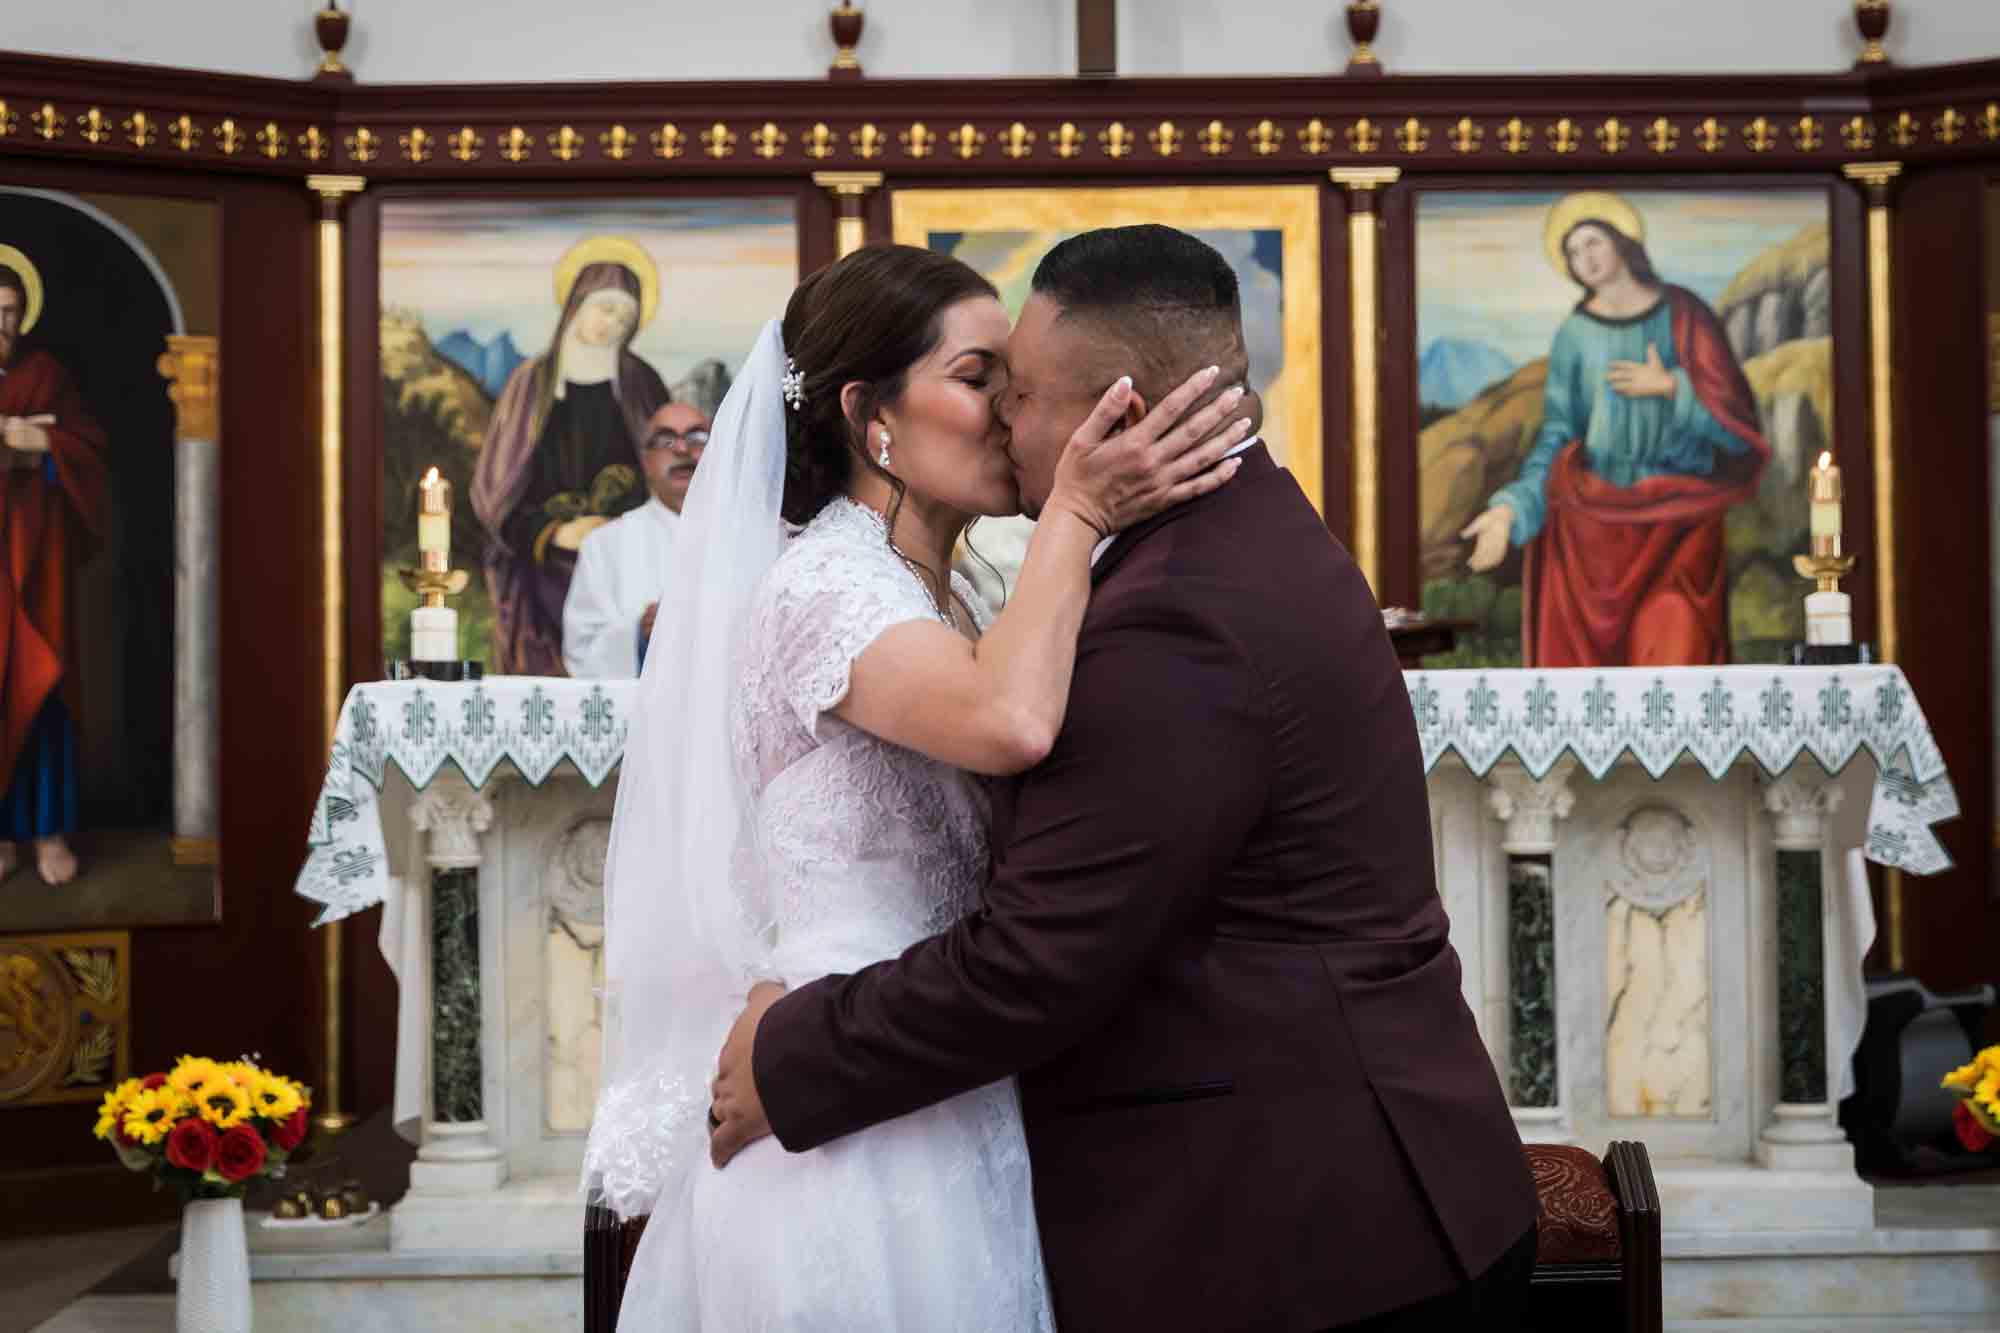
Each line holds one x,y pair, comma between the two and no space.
1964,1078
193,1074
152,1113
112,1108
223,1104
274,1098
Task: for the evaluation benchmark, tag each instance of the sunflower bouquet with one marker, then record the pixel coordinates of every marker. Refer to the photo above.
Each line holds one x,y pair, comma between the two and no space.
206,1127
1977,1115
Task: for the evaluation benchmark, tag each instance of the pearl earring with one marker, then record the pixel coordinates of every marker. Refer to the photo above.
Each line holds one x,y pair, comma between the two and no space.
883,457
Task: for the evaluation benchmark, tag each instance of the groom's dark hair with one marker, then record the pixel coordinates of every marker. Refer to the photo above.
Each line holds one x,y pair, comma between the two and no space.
1167,302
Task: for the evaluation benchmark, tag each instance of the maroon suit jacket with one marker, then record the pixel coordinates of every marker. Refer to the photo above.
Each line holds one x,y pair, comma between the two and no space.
1214,952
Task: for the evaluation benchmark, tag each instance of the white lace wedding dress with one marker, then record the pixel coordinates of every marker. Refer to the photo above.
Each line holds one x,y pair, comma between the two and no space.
923,1224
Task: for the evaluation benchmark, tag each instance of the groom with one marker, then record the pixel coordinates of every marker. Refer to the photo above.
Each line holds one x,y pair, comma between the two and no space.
1212,948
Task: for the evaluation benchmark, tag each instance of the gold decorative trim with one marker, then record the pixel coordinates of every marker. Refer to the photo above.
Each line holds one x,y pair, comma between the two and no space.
618,143
1759,136
565,144
140,130
1018,142
848,188
718,140
1363,285
1068,141
47,122
184,134
968,140
466,145
1216,139
668,141
1711,135
1467,135
1806,136
94,127
1949,127
516,145
1116,140
918,141
768,141
313,144
1266,139
229,137
1663,136
868,142
65,1004
1316,138
1614,136
200,852
1166,138
10,120
1858,134
1876,178
193,364
1516,137
1363,136
1413,137
1563,136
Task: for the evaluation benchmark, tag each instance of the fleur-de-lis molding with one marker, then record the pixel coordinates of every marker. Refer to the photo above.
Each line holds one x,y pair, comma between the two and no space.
1711,135
1515,136
1949,127
1018,142
1903,131
565,143
1806,136
718,140
1115,139
1467,135
363,145
668,141
416,145
1266,139
918,140
1068,141
183,133
9,119
1166,138
1614,135
1216,138
1412,136
1563,136
48,122
968,141
867,142
271,141
767,141
94,127
313,144
1989,121
1363,136
1759,136
618,143
229,136
1663,136
517,145
1316,138
140,130
465,145
820,143
1858,134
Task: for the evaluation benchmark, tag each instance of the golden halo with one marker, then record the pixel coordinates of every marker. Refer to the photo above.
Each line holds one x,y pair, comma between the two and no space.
611,250
31,278
1588,205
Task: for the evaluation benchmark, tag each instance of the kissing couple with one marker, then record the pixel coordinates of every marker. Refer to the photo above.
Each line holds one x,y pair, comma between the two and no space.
1095,969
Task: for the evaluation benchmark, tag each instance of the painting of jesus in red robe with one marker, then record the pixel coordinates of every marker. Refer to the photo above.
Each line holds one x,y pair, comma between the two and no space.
52,502
1650,433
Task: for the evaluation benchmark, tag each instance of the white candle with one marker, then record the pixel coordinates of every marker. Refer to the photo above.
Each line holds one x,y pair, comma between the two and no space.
434,523
1823,491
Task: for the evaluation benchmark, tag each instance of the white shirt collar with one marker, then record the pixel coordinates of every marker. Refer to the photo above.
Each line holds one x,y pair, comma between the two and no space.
1097,552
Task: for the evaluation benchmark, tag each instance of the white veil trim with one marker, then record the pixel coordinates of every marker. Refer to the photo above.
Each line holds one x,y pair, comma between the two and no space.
686,930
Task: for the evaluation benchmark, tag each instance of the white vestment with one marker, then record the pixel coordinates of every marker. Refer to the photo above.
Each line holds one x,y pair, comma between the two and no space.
621,569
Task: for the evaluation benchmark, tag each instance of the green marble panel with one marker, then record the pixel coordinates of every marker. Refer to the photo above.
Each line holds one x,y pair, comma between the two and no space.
1531,966
1801,980
455,1073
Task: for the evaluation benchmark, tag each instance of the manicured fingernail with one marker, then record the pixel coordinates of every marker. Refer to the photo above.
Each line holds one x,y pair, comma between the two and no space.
1208,376
1232,395
1124,384
1245,424
1232,467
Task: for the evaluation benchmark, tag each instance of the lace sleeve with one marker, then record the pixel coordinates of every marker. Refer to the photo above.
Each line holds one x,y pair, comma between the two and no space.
829,601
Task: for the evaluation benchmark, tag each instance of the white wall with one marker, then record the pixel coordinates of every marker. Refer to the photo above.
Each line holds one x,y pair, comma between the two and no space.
515,40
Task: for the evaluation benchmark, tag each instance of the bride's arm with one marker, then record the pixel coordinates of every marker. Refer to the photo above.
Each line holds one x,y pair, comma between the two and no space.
995,706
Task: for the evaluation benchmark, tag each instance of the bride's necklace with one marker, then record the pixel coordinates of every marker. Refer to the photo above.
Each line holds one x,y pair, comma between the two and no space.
943,613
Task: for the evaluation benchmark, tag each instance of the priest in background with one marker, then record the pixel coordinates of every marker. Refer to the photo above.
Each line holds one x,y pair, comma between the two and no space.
623,566
53,499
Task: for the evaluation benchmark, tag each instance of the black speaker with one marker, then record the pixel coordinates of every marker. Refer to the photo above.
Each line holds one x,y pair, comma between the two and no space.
1899,1118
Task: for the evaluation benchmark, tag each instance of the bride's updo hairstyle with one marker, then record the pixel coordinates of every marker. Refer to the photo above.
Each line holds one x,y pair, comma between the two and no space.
868,317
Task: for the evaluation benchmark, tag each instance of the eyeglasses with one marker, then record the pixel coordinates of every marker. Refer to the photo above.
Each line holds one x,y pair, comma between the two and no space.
667,439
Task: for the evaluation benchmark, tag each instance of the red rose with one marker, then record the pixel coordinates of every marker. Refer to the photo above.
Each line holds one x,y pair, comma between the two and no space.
290,1132
1970,1132
153,1081
240,1154
191,1144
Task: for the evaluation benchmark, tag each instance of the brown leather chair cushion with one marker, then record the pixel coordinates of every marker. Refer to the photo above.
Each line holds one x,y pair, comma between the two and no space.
1577,1221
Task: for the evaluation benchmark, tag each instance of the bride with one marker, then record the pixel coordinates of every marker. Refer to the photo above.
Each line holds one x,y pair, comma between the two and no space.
798,793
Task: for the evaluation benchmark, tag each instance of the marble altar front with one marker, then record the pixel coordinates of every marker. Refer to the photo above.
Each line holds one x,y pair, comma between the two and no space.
1654,881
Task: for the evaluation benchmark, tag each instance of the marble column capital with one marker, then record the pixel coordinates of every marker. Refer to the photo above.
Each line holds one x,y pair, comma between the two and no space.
452,813
1529,808
1799,802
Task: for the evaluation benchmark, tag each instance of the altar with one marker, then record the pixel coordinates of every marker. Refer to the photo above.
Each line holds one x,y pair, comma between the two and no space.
1654,877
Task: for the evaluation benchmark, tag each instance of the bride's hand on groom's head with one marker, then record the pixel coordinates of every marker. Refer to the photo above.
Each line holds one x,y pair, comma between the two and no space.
1112,479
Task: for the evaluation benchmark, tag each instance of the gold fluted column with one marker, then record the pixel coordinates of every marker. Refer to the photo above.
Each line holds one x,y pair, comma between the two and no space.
1364,284
850,193
332,192
1877,179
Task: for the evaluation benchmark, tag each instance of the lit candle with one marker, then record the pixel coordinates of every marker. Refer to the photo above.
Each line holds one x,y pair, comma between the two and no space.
434,523
1823,490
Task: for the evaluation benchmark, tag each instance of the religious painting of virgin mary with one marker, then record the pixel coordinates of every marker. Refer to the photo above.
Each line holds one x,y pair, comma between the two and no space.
527,347
1615,437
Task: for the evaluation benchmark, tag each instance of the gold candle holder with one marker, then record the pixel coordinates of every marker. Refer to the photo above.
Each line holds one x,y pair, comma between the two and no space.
432,586
1825,570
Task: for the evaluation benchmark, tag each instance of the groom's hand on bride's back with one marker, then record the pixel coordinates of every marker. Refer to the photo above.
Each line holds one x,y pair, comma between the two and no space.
735,1112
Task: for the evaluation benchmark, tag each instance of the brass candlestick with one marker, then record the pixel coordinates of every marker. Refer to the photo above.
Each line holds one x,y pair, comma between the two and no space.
1825,570
434,585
